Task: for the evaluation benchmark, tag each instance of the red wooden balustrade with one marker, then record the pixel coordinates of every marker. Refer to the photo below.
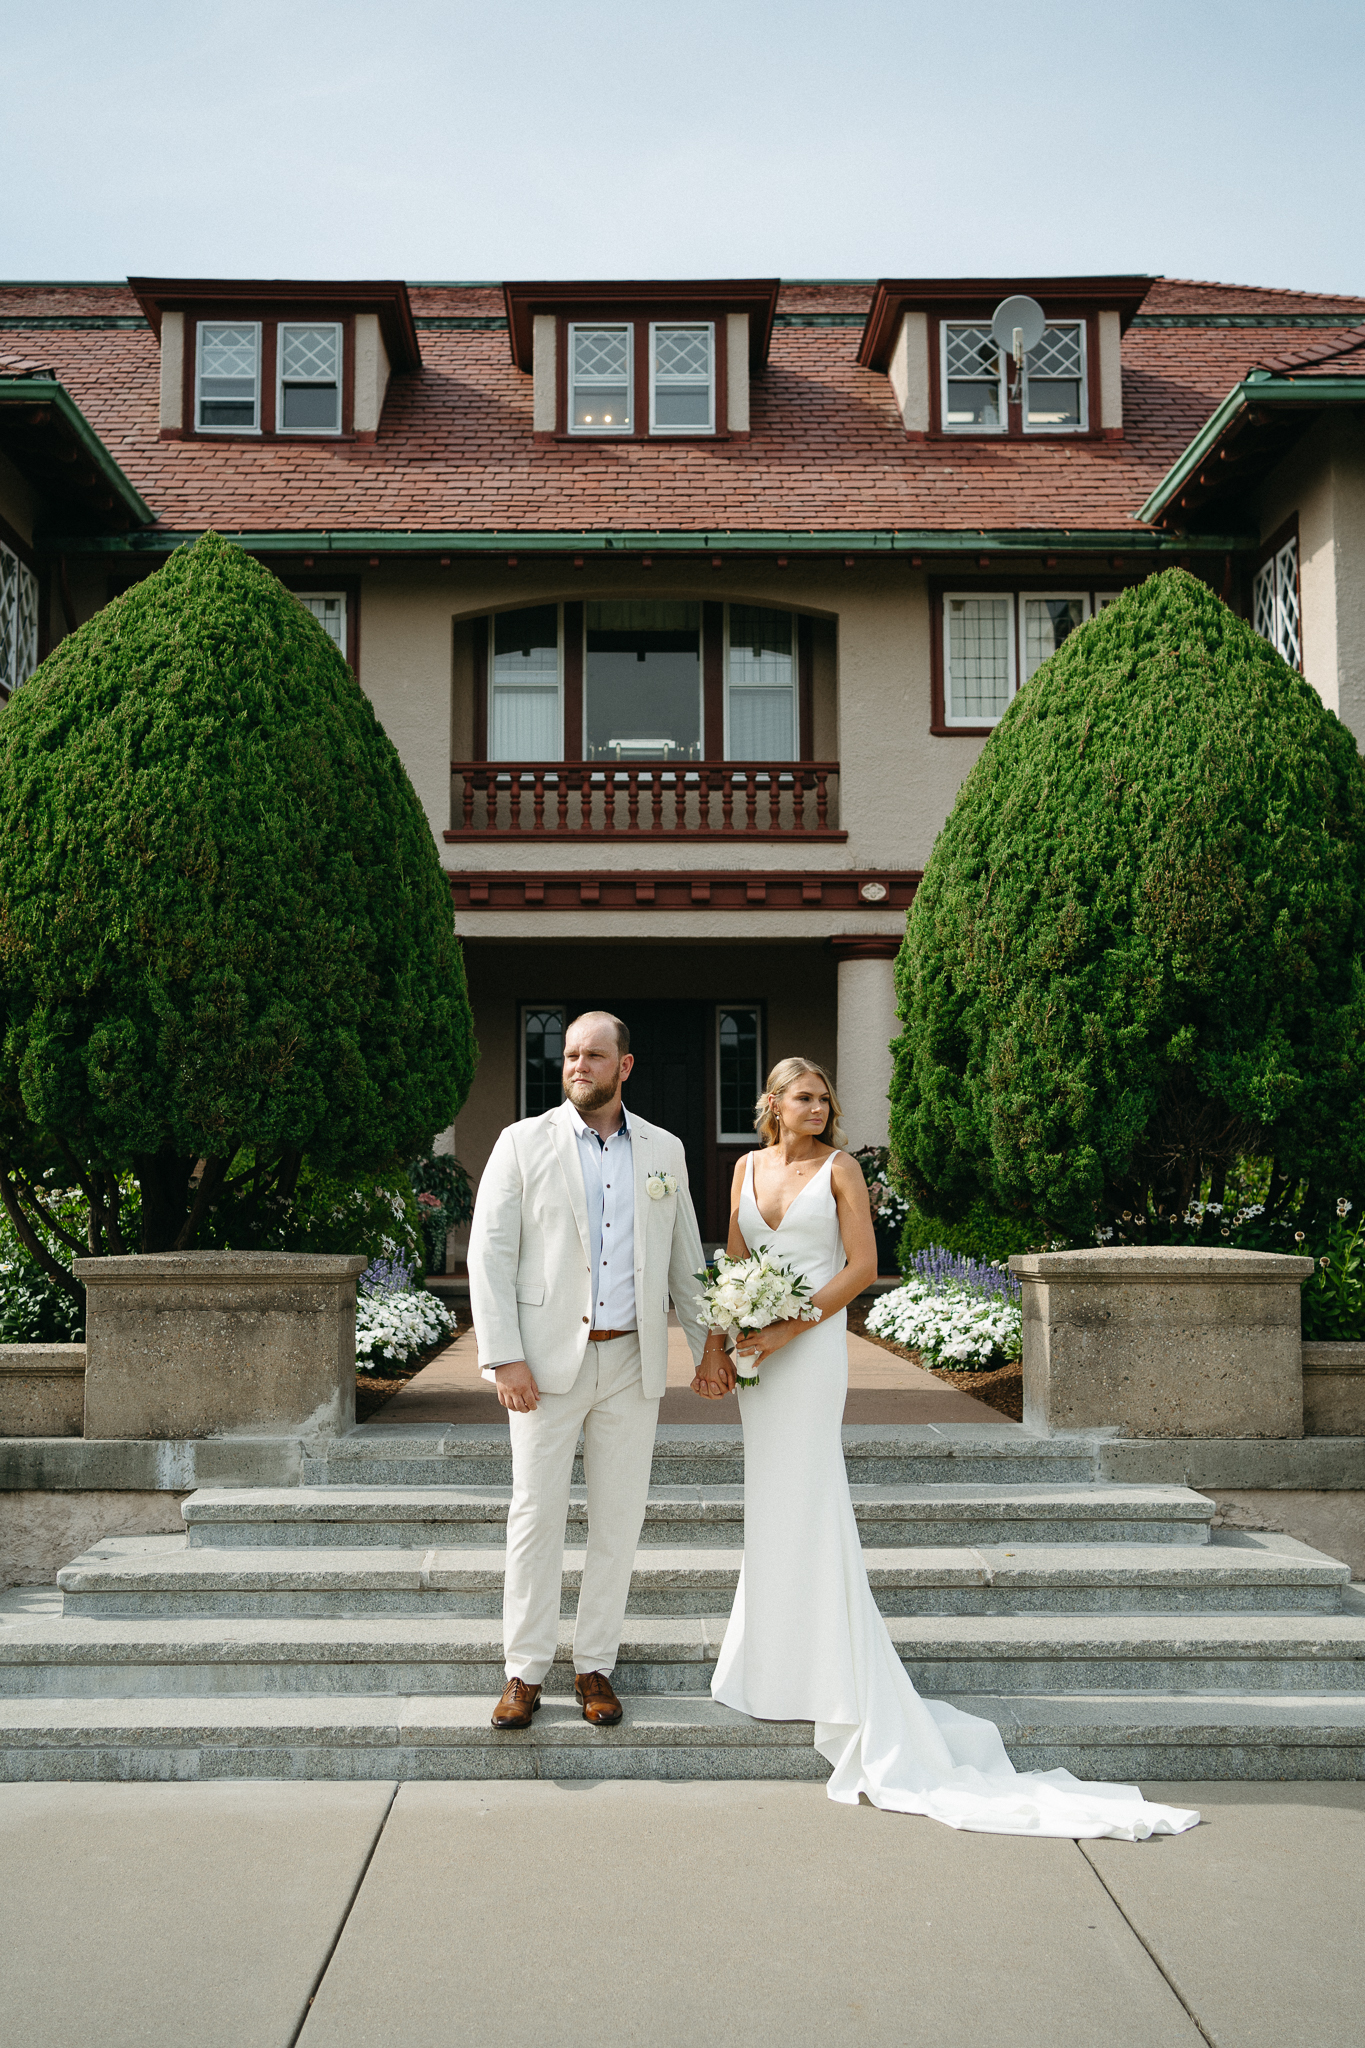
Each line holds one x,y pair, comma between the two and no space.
702,799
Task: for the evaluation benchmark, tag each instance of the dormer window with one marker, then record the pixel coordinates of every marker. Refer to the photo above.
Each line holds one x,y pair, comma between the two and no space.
1051,396
277,356
310,378
601,359
228,383
682,393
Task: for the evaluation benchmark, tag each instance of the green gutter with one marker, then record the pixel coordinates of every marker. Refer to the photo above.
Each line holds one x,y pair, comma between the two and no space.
46,391
900,543
1258,389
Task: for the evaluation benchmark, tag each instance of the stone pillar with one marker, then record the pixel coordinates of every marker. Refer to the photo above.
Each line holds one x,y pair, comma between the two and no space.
203,1344
867,1025
1163,1341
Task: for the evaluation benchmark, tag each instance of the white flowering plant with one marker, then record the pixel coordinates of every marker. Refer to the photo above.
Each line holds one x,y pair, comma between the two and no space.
956,1312
660,1184
394,1320
748,1294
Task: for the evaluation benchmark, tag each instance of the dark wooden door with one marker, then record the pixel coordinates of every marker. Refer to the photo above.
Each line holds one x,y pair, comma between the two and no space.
668,1083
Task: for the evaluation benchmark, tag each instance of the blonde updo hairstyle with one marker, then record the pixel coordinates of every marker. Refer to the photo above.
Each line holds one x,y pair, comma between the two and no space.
766,1120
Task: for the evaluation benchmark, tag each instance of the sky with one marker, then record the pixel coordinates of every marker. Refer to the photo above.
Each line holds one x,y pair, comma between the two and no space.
433,139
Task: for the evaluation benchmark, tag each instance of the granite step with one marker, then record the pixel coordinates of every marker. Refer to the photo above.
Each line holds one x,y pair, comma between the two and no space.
944,1654
1235,1572
1107,1736
474,1454
404,1517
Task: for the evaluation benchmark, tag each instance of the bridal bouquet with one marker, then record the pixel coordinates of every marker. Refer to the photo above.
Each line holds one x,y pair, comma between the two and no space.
748,1294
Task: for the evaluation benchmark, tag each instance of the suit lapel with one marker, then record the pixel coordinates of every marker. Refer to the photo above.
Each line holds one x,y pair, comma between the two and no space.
640,1167
566,1149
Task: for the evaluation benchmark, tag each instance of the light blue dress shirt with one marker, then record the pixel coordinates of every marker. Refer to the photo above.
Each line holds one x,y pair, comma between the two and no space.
609,1186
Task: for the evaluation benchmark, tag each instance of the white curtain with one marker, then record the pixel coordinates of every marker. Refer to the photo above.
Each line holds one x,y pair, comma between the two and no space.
524,725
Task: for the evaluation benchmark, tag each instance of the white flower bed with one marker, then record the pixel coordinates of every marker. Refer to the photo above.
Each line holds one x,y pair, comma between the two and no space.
950,1327
391,1328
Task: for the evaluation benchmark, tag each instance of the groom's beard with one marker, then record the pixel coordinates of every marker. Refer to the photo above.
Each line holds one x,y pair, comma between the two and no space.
589,1095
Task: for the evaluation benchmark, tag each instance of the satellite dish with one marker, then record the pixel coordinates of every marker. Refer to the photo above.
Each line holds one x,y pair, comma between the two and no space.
1017,325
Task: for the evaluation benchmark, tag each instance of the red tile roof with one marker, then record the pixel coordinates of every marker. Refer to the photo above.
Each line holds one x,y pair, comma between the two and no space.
826,453
1343,356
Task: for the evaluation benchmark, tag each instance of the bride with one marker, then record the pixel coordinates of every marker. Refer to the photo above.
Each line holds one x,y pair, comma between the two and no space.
806,1641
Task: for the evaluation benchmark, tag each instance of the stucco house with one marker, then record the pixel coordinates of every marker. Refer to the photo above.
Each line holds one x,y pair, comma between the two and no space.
689,605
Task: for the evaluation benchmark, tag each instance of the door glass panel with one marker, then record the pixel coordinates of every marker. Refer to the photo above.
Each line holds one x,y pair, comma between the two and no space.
542,1058
642,682
524,721
738,1077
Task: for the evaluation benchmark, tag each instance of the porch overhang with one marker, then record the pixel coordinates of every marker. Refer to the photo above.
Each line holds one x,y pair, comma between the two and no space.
54,447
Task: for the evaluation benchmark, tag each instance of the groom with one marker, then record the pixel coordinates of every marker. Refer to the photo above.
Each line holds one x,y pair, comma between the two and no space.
583,1228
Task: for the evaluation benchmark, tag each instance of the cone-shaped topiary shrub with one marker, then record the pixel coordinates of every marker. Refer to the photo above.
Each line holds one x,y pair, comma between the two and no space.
224,926
1135,953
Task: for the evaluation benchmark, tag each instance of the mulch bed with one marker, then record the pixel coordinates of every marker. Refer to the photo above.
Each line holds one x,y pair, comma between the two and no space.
1002,1389
373,1389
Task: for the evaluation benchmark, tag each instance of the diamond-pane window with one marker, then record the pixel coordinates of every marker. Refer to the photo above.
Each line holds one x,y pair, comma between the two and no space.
978,658
1054,379
973,379
683,380
1275,603
18,622
601,377
229,376
329,609
310,378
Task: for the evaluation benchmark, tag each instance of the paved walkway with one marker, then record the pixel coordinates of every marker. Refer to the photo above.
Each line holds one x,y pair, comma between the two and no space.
881,1388
257,1915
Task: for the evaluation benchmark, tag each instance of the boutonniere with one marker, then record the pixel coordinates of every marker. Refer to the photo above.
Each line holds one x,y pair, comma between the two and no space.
660,1184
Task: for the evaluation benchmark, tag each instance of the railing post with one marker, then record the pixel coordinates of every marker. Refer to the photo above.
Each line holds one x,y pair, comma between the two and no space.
633,800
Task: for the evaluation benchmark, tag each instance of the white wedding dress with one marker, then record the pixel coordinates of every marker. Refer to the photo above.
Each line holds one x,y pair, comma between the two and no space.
806,1641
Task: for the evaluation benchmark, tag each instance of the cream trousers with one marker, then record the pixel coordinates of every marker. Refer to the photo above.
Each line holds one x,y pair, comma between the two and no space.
607,1403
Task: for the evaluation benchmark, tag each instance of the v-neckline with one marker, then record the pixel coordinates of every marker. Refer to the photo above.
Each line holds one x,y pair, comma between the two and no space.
773,1228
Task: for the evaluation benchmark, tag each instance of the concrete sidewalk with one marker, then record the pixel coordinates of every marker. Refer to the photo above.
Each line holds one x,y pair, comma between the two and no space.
258,1915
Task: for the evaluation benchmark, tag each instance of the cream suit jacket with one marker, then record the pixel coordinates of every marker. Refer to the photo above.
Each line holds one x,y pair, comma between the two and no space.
530,1273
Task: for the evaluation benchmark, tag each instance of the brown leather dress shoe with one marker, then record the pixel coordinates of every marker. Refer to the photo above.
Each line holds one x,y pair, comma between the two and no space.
519,1701
600,1705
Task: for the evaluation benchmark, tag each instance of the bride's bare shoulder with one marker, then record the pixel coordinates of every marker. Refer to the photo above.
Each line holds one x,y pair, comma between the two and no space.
847,1176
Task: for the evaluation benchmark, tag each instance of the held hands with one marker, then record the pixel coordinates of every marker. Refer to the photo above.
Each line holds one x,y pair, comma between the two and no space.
715,1376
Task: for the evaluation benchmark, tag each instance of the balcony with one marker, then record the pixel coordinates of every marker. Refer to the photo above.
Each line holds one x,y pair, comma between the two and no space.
725,800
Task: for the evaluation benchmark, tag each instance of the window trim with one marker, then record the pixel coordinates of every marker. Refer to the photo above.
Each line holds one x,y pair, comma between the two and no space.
309,433
796,755
604,433
1069,320
258,327
749,1138
550,1003
490,673
689,433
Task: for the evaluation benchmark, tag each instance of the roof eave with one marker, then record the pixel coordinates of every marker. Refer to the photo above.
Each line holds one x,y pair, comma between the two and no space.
893,296
1259,389
388,297
46,392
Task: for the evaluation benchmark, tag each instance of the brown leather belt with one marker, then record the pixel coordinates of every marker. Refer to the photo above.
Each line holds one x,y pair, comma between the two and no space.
605,1336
